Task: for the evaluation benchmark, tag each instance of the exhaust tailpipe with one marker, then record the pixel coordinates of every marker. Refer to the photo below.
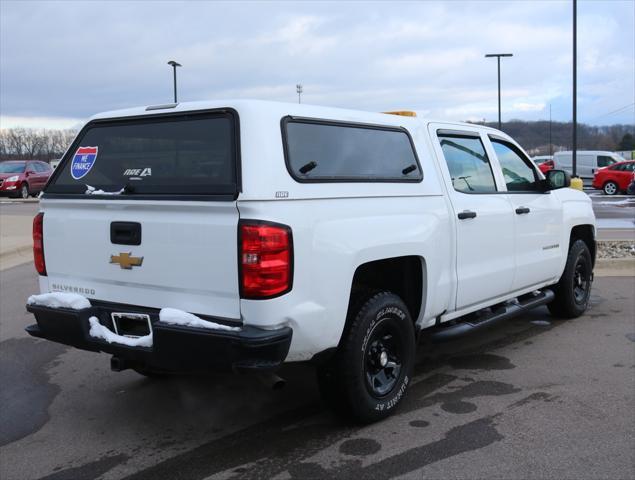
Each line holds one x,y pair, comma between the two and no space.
118,364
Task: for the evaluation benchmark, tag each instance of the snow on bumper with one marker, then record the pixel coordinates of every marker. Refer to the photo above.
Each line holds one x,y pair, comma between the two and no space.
71,301
178,348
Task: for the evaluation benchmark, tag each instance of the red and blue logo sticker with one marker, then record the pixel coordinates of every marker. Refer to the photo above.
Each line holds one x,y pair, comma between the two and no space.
83,161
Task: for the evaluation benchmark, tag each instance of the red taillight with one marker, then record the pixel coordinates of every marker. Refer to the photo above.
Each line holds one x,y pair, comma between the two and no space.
266,257
38,244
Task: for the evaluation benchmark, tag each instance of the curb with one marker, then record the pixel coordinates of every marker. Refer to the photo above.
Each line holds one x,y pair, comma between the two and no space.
614,267
7,201
16,256
18,249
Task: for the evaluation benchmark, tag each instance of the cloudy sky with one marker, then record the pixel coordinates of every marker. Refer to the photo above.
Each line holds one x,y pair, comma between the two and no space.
63,61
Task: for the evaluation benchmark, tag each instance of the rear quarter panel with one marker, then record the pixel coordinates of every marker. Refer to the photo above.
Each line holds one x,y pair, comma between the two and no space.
331,238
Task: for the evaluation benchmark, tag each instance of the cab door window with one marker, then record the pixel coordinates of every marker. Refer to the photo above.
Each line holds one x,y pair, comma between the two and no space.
468,164
519,175
605,161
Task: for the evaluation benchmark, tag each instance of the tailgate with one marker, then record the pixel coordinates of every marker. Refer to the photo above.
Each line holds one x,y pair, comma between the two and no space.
188,251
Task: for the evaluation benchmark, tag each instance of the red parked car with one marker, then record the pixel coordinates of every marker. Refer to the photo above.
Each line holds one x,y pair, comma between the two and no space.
544,162
615,178
21,178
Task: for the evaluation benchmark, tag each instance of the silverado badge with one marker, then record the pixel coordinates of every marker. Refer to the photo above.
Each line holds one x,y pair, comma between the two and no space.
126,261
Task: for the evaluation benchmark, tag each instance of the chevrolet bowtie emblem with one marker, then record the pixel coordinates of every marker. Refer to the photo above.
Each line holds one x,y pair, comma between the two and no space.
126,261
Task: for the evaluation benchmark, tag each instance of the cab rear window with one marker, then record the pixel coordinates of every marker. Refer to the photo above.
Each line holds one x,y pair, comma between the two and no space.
193,154
323,151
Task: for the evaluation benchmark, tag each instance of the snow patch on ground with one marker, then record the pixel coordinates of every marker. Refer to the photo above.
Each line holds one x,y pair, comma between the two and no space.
73,301
93,191
173,316
97,330
628,201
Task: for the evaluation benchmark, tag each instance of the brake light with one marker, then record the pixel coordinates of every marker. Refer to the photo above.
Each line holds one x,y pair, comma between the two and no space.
38,244
266,259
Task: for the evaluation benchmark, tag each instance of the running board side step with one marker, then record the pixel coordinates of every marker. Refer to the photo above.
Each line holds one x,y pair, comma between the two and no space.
504,312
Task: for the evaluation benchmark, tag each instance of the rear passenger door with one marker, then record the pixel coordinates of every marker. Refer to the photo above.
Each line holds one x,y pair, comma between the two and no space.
537,217
483,217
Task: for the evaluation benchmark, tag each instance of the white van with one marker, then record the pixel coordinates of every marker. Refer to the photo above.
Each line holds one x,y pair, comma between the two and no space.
588,162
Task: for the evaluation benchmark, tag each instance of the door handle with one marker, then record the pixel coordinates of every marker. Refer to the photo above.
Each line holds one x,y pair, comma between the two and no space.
522,210
125,233
466,214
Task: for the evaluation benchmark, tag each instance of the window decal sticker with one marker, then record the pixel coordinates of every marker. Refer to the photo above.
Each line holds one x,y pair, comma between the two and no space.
138,172
83,161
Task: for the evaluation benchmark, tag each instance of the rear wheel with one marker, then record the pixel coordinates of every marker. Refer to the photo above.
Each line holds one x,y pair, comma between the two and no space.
372,368
574,288
611,188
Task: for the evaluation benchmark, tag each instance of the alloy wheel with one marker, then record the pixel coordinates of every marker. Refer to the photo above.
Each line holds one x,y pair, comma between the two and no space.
610,188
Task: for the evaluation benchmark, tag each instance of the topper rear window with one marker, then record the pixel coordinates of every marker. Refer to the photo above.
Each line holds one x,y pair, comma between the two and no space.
328,151
188,154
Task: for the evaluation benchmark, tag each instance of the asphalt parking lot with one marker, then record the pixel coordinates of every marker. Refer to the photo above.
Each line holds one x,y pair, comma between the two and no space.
533,398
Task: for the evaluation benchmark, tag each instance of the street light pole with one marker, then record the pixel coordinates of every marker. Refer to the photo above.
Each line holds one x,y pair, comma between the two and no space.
298,88
498,58
574,158
174,65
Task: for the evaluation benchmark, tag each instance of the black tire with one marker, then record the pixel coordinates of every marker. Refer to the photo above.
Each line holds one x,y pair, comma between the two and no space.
574,288
23,193
370,372
611,188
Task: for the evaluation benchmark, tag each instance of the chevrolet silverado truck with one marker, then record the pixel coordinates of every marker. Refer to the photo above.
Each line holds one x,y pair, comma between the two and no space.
240,235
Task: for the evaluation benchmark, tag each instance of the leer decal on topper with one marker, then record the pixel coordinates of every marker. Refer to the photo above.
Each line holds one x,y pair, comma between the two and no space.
83,161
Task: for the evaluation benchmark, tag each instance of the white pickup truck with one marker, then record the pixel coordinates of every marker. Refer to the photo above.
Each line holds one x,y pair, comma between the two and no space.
238,235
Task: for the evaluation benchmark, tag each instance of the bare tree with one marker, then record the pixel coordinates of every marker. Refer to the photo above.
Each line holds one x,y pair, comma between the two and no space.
4,144
34,143
54,143
15,141
67,139
43,144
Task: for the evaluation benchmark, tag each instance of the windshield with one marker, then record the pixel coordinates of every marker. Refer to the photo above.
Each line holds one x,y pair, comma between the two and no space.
193,154
12,167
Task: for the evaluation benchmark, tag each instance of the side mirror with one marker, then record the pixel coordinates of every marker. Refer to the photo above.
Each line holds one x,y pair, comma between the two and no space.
557,179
